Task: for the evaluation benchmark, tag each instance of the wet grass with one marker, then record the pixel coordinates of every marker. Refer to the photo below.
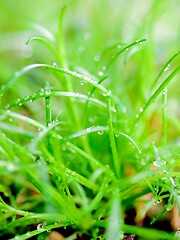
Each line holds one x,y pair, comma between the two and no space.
89,129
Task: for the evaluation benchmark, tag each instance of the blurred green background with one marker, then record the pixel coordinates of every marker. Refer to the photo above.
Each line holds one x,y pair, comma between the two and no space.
89,28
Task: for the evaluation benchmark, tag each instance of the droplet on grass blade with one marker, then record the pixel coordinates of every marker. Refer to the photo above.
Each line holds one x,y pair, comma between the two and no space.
100,132
82,82
55,64
167,68
97,58
100,73
41,226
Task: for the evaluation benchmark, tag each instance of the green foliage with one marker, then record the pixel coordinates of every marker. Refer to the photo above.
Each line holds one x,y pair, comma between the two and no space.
84,136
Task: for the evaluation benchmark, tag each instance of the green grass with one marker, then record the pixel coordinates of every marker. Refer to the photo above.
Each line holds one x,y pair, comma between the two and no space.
91,126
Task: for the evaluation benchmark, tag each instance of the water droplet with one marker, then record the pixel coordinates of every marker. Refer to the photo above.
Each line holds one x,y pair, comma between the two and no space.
26,98
64,148
107,94
88,130
103,67
141,110
17,237
165,91
82,82
167,68
97,58
20,104
177,235
157,201
127,49
100,132
28,234
48,92
114,110
100,73
118,46
138,40
10,119
116,134
41,226
55,64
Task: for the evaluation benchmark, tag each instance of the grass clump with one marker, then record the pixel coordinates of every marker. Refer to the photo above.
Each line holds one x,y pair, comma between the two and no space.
83,146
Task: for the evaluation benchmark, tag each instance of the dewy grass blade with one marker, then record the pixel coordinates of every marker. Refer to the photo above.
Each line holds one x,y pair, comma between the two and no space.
20,73
46,43
116,161
139,41
85,132
114,229
164,69
131,140
156,94
164,117
53,93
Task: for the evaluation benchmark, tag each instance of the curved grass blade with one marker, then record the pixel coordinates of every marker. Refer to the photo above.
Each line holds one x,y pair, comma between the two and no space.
85,132
43,31
130,139
164,69
20,73
46,43
44,93
37,232
156,94
89,97
139,41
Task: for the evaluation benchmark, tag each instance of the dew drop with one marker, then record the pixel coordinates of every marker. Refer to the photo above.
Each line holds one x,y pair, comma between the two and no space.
167,68
177,235
100,132
97,58
28,234
114,110
100,73
55,64
82,82
118,46
17,237
141,110
103,67
138,40
88,130
165,91
47,92
41,226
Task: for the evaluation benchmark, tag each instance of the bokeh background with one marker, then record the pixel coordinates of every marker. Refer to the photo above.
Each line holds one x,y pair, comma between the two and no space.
90,27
